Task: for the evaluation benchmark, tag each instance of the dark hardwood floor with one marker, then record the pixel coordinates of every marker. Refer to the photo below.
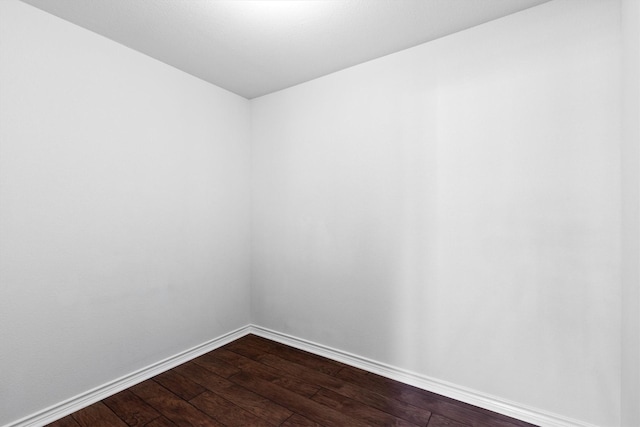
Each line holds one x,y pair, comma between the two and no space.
256,382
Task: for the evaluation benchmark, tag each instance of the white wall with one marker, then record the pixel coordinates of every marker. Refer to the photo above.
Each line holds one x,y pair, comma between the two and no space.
630,403
454,209
124,210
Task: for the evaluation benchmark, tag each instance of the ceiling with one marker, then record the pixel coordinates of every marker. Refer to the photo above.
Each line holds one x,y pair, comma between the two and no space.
253,48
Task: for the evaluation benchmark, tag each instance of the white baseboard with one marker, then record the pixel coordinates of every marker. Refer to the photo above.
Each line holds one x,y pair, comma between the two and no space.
463,394
472,397
62,409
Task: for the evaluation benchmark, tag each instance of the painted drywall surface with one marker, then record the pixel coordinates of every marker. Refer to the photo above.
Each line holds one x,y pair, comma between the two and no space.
630,392
454,209
124,210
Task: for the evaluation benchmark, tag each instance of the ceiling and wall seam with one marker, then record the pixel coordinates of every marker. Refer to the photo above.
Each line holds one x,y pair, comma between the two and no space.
253,48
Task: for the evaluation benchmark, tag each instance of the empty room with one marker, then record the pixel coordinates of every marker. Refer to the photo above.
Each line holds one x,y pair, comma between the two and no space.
320,213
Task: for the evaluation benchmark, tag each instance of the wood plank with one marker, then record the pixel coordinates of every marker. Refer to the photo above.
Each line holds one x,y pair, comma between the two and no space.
400,409
298,404
440,421
98,415
243,348
415,396
246,399
179,385
227,412
131,409
216,365
299,421
67,421
267,373
181,412
160,422
366,413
